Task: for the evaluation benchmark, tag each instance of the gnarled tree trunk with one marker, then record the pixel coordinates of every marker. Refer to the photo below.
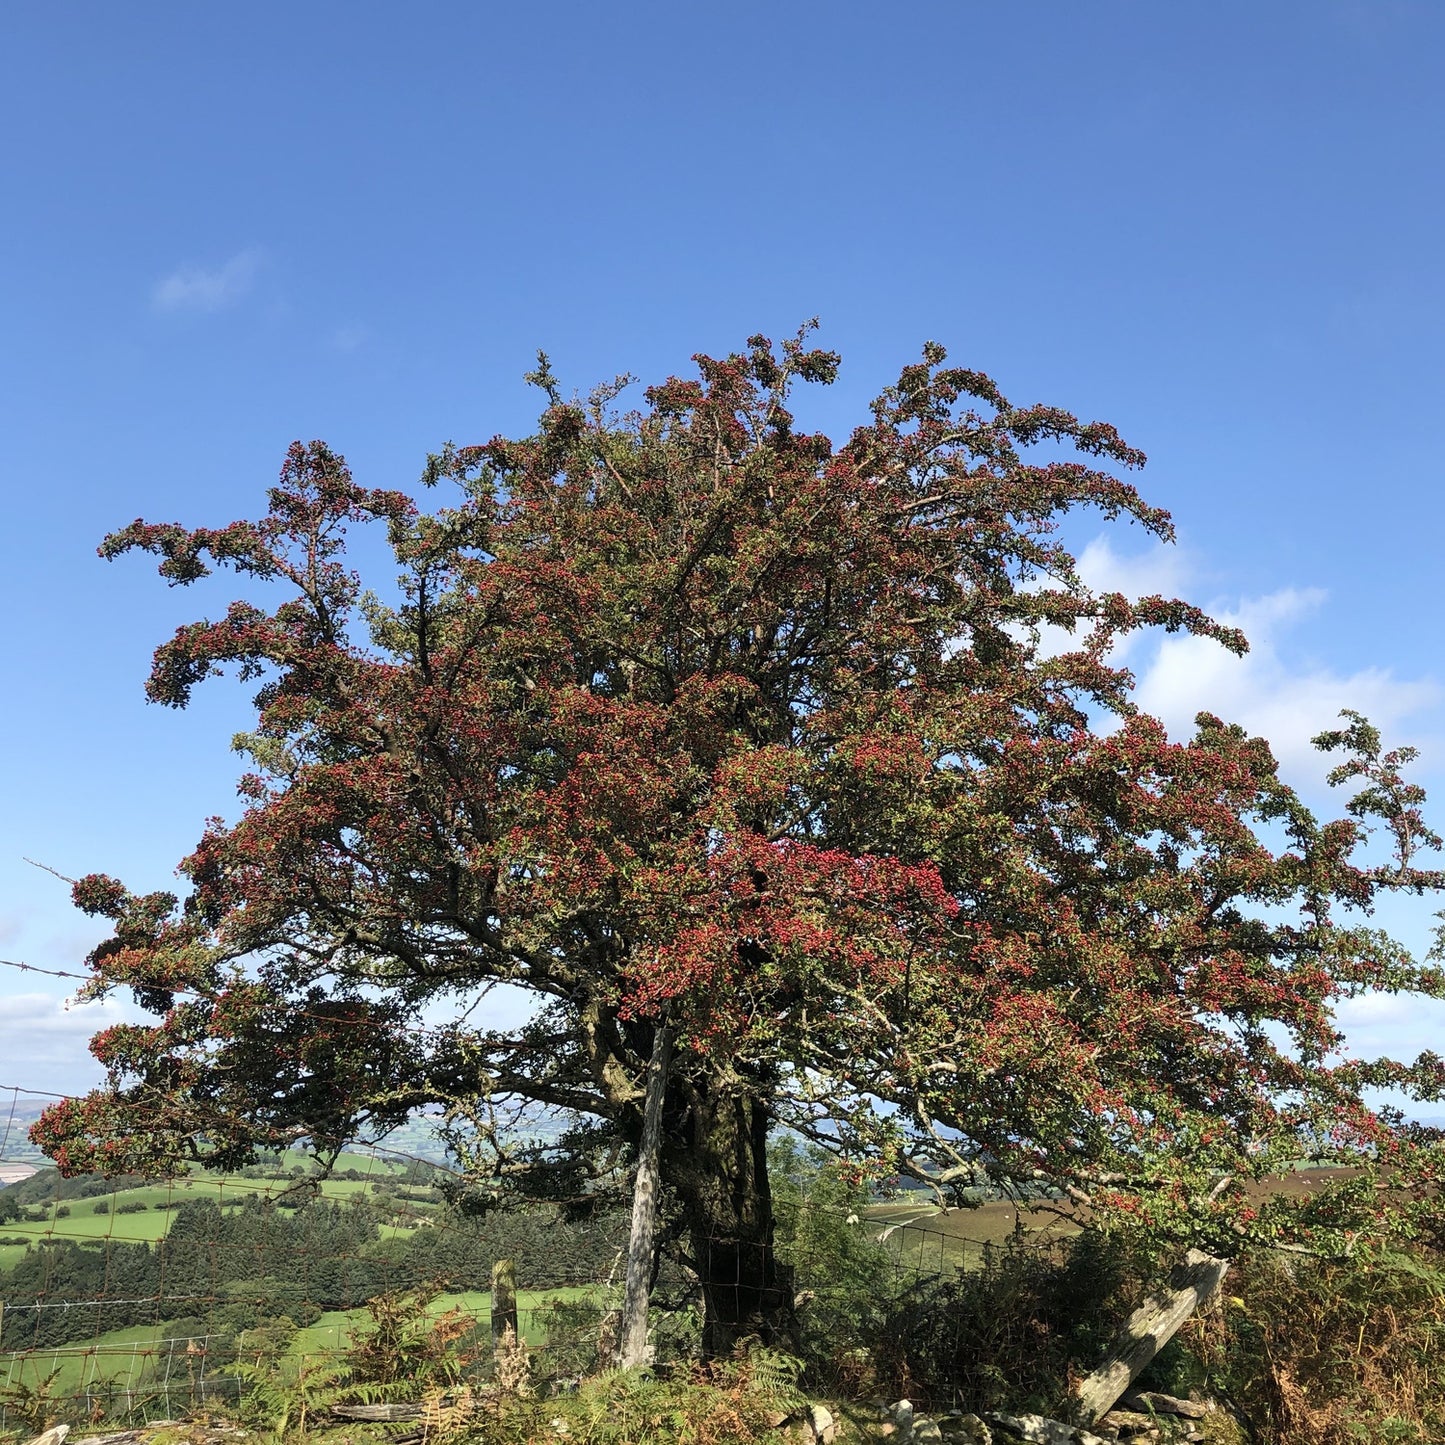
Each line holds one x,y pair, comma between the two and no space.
719,1169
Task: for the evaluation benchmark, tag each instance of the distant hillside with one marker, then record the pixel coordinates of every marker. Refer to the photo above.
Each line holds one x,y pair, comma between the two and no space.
415,1140
17,1113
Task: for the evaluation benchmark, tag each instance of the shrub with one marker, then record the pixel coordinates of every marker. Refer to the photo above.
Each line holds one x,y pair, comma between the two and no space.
101,1206
404,1345
732,1402
1008,1333
1305,1351
32,1407
1323,1353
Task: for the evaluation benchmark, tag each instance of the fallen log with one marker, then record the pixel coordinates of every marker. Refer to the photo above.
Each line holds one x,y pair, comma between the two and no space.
377,1414
1147,1331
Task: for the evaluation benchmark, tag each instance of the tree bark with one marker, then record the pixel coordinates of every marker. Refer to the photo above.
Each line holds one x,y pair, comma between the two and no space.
1147,1331
721,1178
632,1347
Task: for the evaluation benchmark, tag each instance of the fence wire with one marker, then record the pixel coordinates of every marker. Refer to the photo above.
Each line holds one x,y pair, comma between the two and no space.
139,1299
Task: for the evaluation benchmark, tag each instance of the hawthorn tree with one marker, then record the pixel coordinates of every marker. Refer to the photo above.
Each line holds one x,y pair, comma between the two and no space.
813,754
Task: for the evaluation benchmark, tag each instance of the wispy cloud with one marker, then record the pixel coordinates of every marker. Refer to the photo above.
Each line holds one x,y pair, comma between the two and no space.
204,289
348,339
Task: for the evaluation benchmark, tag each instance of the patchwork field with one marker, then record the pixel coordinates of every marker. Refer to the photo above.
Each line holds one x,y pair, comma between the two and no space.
83,1221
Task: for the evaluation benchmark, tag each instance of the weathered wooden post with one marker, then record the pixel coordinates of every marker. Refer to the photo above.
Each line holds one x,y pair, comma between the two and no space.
504,1301
1147,1331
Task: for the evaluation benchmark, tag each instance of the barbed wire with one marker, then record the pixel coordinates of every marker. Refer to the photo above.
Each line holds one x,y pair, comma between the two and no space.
332,1020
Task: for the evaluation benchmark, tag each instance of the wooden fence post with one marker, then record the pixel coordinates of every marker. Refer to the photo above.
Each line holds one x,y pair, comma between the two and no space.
1147,1331
504,1300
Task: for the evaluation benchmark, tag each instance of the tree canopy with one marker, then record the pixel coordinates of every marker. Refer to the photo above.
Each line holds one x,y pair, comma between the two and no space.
819,752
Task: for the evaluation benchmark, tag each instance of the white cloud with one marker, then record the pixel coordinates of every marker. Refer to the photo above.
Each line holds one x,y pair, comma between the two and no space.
1398,1026
46,1037
1287,698
199,289
1161,569
1271,691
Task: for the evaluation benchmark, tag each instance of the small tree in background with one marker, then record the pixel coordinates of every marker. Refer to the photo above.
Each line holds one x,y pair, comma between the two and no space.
817,748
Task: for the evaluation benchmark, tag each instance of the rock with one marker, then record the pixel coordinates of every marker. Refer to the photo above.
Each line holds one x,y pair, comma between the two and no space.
1147,1400
1039,1430
53,1436
901,1413
966,1430
926,1431
824,1426
1127,1422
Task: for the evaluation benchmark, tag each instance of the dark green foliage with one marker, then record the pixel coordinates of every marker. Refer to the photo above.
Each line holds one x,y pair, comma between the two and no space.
458,1251
316,1256
259,1261
46,1186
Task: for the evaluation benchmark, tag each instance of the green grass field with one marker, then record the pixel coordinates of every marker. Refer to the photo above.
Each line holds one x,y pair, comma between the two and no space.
117,1360
114,1360
150,1224
331,1332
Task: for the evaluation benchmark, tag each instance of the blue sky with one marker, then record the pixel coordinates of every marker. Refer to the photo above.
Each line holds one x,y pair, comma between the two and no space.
1217,226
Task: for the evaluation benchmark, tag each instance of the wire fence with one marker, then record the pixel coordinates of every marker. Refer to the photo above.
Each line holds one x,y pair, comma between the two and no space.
135,1299
141,1298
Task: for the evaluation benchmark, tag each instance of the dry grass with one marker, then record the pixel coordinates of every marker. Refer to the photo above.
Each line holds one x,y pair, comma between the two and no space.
1317,1353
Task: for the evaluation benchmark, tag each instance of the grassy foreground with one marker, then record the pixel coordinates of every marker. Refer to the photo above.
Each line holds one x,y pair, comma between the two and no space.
119,1359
